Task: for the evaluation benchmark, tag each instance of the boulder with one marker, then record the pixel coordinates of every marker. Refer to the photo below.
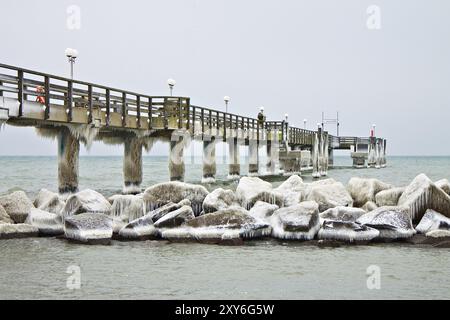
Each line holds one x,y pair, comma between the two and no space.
49,201
21,230
4,217
329,196
444,184
369,206
89,228
17,206
140,229
389,197
127,207
439,234
432,221
86,201
299,222
392,222
253,189
346,231
422,194
175,191
344,214
219,199
162,211
175,218
263,210
362,190
49,224
292,190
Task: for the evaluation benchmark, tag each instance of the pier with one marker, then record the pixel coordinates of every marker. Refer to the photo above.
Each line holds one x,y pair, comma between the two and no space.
72,111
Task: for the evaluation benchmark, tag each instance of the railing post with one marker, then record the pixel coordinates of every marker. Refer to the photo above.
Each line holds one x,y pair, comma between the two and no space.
138,112
108,106
69,100
224,127
166,122
47,97
90,104
193,119
203,121
180,115
124,109
1,91
20,96
188,113
150,113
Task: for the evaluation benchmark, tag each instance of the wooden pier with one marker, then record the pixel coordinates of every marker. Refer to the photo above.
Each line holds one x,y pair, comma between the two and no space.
73,110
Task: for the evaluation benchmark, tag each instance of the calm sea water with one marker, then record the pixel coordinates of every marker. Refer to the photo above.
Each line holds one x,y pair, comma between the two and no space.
36,268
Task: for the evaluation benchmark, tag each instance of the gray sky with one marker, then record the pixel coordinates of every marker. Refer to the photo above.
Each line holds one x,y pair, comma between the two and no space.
291,56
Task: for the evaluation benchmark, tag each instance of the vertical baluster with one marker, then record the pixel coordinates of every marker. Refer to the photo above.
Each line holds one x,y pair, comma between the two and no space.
69,100
1,91
124,109
188,113
166,122
108,106
47,97
203,121
20,96
150,113
193,119
224,127
138,112
90,104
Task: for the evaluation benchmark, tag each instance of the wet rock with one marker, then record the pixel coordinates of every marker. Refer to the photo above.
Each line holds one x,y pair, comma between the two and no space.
17,206
4,217
392,222
422,194
219,199
299,222
330,195
21,230
49,224
432,221
263,210
86,201
175,191
292,190
253,189
389,197
344,214
175,218
89,228
49,201
363,190
444,184
140,229
369,206
346,231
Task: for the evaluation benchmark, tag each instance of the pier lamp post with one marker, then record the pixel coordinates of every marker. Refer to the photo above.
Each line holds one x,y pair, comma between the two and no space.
72,55
304,123
373,130
227,100
171,84
286,117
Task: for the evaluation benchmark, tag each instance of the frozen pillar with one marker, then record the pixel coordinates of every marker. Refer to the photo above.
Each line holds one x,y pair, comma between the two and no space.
234,165
383,161
176,160
378,154
330,157
132,166
253,164
315,156
372,153
209,160
272,155
68,155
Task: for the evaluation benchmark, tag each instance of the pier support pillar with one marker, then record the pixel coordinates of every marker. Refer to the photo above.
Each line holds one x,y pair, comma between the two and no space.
176,160
209,160
253,161
315,155
372,153
234,165
68,156
330,157
305,159
383,159
132,166
273,157
324,151
378,154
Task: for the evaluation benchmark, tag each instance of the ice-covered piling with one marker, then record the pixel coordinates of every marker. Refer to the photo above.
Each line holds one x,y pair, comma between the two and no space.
68,156
209,160
176,161
234,166
132,166
315,156
253,161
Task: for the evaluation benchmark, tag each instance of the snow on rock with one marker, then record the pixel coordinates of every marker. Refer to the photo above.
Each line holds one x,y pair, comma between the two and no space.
21,230
127,207
49,224
90,228
444,184
392,222
346,231
344,214
363,190
263,210
369,206
175,218
49,201
422,194
438,234
175,191
389,197
219,199
17,206
329,195
162,211
253,189
86,201
432,221
292,190
4,217
139,229
299,222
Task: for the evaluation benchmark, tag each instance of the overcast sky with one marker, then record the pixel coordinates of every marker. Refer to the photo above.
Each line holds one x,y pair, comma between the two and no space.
296,57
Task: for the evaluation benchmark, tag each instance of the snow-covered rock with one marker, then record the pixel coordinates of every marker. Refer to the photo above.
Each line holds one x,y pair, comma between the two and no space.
49,201
175,191
346,231
49,224
344,214
444,184
4,217
21,230
438,234
17,206
219,199
90,228
127,207
432,221
299,222
175,218
422,194
140,229
369,206
253,189
329,195
389,197
392,222
162,211
86,201
292,190
263,210
363,190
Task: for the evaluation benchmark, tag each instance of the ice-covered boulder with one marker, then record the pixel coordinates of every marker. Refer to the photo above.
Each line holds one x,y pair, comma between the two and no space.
49,201
90,228
17,206
21,230
363,190
253,189
86,201
263,210
369,206
329,195
299,222
127,207
422,194
140,229
431,221
439,234
4,217
344,214
175,218
444,184
162,211
219,199
389,197
292,190
392,222
346,231
175,191
49,224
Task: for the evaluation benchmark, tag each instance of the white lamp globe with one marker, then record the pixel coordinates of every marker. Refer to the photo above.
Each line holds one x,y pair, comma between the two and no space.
171,82
226,99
